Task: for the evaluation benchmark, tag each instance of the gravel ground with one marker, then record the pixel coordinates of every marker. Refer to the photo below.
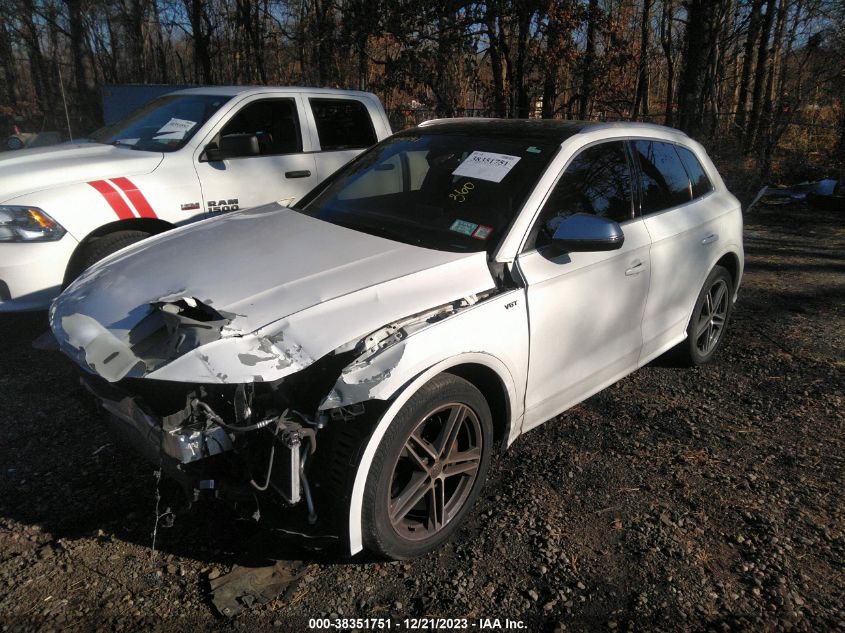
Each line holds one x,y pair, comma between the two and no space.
678,499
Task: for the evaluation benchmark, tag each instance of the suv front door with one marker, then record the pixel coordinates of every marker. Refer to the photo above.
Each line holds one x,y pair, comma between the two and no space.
584,309
283,170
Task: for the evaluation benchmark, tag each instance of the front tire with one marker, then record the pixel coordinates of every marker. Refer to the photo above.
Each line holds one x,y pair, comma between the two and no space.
709,319
428,469
102,247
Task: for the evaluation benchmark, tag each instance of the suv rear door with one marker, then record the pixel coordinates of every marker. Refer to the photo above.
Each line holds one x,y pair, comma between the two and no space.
682,224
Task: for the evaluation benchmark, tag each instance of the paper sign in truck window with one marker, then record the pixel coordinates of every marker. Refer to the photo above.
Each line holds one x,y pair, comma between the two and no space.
175,128
486,166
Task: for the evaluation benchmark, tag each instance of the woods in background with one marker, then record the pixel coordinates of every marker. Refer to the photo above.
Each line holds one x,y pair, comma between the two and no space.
757,73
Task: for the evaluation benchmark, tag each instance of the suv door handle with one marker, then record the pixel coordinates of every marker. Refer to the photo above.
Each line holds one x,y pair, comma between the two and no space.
302,173
635,269
710,239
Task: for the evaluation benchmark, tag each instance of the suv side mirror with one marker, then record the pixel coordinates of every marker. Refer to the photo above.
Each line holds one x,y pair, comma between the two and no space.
232,146
584,232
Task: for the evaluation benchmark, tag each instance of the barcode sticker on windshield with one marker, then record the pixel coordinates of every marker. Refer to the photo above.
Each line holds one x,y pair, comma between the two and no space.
175,128
486,166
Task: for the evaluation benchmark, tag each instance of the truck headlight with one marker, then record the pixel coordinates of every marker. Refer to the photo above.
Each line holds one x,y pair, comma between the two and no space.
28,224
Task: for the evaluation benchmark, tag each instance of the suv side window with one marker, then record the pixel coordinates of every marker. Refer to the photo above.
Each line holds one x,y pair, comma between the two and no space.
274,122
701,184
664,182
342,124
597,181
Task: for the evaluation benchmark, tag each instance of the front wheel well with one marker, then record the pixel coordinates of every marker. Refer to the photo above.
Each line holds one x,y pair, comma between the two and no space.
491,386
148,225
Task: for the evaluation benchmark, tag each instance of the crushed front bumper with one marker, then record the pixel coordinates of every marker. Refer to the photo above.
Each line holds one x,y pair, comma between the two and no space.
147,434
207,457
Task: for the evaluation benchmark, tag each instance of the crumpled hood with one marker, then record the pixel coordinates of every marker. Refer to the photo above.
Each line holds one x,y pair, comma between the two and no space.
278,290
28,170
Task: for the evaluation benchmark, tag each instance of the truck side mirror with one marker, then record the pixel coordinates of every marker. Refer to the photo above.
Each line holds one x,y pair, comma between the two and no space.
232,146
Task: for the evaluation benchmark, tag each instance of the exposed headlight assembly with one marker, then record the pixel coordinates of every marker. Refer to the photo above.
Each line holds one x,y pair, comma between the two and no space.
28,224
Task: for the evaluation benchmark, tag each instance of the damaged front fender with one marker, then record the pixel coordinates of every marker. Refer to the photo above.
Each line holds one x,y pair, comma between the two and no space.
491,332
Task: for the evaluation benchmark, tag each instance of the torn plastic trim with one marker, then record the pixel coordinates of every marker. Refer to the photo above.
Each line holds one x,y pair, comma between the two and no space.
381,352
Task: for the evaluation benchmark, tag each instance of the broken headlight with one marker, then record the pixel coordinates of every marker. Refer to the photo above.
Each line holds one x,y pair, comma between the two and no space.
28,224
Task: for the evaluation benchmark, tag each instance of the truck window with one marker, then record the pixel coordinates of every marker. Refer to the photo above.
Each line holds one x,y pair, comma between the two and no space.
274,121
165,124
342,124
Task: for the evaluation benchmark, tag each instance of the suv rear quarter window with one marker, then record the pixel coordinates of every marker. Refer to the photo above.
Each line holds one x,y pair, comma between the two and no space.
664,182
701,184
342,124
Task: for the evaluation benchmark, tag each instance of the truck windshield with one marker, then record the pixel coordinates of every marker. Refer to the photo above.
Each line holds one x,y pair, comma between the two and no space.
447,191
163,125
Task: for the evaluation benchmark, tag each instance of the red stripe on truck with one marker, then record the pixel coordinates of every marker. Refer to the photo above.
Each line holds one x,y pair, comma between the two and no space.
116,202
135,197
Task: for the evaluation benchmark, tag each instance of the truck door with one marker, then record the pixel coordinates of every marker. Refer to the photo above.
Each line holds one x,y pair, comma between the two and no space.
344,129
271,162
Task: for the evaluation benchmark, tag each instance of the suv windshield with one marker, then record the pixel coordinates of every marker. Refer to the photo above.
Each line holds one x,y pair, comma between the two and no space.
445,191
163,125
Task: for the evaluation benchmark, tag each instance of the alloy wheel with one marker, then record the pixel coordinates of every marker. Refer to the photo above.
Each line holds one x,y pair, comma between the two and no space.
435,471
712,317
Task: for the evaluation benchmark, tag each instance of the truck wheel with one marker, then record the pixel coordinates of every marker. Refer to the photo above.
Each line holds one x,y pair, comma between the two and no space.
428,469
101,247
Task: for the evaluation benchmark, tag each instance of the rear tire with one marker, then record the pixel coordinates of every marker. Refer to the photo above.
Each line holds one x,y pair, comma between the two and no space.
428,469
709,320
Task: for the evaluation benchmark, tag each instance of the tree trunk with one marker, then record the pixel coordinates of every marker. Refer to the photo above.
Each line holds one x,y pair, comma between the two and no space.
759,77
586,90
700,39
667,14
201,31
161,55
7,63
491,20
554,51
88,110
135,40
641,97
323,40
747,65
766,116
37,64
520,93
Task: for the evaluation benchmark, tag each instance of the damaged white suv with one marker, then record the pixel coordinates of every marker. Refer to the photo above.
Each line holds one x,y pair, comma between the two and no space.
357,358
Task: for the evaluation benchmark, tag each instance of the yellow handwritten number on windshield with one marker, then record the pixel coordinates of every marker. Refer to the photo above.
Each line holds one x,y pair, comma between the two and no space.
460,195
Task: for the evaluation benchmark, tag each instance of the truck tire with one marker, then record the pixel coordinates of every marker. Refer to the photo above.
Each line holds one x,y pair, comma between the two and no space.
428,469
104,246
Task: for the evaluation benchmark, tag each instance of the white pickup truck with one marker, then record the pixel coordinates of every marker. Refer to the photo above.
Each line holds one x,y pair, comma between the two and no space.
183,157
